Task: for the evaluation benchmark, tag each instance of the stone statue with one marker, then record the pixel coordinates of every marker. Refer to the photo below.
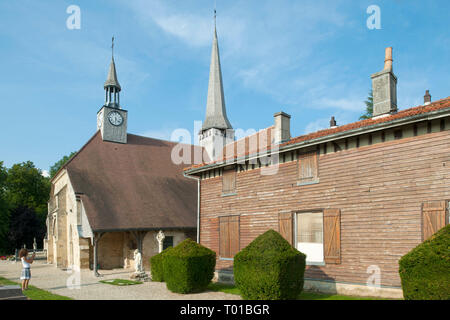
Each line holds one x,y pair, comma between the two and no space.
137,261
160,238
139,273
34,245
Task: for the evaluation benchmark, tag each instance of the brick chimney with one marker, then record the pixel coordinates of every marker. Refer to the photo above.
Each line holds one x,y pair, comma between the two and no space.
427,98
333,123
384,86
282,129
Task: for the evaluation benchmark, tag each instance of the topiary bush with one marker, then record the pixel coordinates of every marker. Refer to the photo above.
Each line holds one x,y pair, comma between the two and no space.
269,268
425,270
156,265
189,267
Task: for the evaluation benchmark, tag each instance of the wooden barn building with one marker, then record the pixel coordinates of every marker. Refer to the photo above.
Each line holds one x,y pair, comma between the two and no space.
355,198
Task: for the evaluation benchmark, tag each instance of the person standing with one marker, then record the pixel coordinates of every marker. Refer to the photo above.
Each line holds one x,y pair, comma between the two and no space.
26,265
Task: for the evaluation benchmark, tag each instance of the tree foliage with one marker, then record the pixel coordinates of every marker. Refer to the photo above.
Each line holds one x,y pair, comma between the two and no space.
4,214
27,187
369,107
54,168
24,226
24,193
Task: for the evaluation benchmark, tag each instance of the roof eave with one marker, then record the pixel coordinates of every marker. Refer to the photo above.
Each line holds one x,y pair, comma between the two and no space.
141,229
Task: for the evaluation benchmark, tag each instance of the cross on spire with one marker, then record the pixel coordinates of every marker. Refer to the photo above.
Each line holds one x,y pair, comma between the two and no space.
112,46
215,13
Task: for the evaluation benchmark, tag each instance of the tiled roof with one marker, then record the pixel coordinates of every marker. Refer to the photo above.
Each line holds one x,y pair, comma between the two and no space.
133,186
435,106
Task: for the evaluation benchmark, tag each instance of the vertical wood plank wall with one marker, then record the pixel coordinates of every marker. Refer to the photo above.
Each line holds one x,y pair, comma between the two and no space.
378,188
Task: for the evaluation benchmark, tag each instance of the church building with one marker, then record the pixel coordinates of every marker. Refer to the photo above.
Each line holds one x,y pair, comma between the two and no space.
116,193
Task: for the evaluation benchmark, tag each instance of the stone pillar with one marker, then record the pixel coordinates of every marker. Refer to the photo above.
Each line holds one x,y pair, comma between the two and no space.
97,237
160,238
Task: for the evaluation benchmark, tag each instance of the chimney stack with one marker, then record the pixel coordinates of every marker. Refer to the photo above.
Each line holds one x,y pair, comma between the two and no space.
384,86
333,123
427,98
282,130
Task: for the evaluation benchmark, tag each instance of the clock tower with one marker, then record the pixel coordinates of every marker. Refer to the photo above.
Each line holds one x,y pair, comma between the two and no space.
112,119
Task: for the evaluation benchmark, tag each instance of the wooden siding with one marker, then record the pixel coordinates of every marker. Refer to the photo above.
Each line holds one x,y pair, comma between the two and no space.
378,188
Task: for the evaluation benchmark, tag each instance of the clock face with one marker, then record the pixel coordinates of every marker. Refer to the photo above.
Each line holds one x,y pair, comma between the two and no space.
115,118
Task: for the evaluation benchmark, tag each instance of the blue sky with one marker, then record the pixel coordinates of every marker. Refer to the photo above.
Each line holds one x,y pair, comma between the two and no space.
311,59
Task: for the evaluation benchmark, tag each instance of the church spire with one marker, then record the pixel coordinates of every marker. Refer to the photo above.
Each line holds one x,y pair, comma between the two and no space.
216,114
112,86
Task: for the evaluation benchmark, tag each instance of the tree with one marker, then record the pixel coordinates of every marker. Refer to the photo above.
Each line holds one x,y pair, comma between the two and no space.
369,107
24,227
26,187
55,168
4,214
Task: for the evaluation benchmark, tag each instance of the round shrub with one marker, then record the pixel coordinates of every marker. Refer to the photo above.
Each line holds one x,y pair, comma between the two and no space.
269,268
189,267
156,266
425,270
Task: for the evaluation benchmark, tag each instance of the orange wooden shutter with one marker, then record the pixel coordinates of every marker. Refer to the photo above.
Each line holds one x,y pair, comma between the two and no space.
233,228
229,181
332,235
285,226
229,237
434,217
307,167
224,247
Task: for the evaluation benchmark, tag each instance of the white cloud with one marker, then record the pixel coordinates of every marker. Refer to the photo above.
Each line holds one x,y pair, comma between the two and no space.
45,173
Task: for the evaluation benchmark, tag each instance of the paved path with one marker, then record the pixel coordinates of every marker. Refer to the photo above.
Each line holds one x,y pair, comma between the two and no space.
50,278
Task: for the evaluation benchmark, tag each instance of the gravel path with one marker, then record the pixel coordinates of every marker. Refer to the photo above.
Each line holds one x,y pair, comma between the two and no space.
50,278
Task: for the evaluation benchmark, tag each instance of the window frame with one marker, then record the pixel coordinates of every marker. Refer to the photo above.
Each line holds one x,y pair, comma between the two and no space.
296,213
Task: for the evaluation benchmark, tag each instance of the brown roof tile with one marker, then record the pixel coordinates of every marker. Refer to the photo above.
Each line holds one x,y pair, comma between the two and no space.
133,186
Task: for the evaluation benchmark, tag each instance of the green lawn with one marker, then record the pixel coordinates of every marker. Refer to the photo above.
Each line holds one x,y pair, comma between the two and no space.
305,295
34,293
120,282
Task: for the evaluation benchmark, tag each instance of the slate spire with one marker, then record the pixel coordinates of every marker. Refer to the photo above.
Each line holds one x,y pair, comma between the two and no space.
216,114
112,86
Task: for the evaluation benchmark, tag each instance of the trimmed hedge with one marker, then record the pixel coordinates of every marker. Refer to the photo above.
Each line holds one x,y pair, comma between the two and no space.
156,266
269,268
189,267
425,270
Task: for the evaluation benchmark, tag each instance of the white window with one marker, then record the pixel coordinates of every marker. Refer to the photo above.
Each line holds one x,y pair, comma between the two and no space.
309,236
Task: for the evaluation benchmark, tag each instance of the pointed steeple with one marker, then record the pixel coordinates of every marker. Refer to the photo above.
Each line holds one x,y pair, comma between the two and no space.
112,86
111,80
216,114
